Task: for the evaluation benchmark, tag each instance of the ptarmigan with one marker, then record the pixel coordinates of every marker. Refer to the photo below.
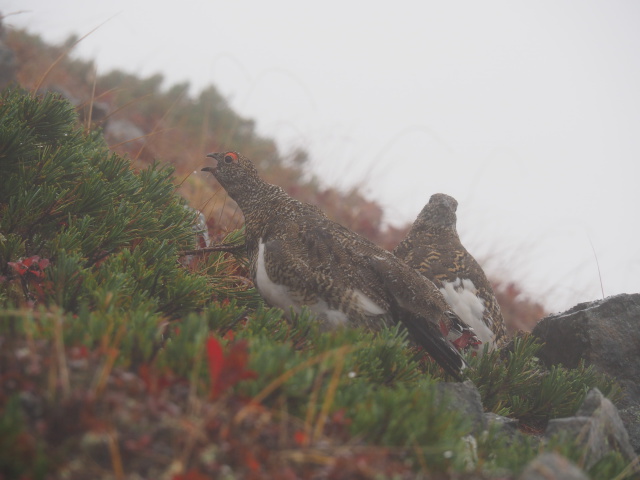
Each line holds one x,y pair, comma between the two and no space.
433,247
298,257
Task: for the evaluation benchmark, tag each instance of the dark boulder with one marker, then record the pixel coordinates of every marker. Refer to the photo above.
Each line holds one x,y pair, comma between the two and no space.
606,334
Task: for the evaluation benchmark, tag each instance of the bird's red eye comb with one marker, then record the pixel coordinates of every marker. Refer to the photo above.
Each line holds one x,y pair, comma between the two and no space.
230,157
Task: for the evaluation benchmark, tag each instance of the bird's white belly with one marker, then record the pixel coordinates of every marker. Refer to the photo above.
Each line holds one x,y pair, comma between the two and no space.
368,305
461,295
281,296
277,295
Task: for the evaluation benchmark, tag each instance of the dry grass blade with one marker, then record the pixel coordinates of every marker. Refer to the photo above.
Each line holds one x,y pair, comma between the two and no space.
331,392
156,128
632,470
92,99
224,204
61,357
112,355
597,265
311,408
278,382
64,54
116,457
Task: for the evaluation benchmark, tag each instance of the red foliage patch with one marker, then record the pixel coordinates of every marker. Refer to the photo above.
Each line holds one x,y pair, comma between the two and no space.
31,272
191,475
33,266
154,381
301,438
227,370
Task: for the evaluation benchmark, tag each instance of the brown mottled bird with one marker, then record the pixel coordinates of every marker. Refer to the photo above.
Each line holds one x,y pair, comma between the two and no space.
433,247
298,257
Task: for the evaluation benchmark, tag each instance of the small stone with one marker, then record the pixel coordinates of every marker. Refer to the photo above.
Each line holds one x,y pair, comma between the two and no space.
597,426
552,466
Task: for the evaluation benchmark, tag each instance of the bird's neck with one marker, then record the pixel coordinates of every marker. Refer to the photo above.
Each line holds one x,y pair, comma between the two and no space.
261,203
436,231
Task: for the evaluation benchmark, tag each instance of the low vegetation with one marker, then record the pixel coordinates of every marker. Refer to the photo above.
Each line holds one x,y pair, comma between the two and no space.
126,355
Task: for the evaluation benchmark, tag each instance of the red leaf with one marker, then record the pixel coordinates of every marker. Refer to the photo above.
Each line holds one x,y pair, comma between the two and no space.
227,370
44,263
32,265
340,417
27,262
251,462
78,352
144,372
19,268
216,361
191,475
301,438
39,290
235,368
154,381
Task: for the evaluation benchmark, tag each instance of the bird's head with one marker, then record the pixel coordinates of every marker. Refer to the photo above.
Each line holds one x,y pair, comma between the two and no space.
232,170
440,211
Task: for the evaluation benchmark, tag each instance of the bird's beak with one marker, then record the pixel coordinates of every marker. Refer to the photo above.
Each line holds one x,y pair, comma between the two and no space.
211,169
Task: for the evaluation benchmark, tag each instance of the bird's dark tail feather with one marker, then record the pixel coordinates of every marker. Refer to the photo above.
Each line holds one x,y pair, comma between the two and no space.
426,334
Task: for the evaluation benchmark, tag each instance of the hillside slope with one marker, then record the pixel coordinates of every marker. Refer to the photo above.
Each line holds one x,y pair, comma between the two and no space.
149,122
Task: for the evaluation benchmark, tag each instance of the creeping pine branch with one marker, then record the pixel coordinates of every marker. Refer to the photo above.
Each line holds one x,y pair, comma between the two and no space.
219,247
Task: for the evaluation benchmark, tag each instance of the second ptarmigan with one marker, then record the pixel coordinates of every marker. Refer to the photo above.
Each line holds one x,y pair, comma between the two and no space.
433,247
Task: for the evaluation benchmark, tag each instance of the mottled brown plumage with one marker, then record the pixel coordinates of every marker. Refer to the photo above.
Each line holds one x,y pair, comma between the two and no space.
298,257
433,247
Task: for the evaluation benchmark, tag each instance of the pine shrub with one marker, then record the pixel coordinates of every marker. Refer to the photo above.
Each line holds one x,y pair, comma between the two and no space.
513,382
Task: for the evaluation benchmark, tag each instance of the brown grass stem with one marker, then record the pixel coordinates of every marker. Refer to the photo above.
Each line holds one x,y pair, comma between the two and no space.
331,392
64,53
283,378
219,247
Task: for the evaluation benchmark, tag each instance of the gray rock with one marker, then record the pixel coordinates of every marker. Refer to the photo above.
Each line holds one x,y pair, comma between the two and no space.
200,229
606,416
606,334
552,466
597,426
507,426
464,397
630,416
94,110
63,92
123,131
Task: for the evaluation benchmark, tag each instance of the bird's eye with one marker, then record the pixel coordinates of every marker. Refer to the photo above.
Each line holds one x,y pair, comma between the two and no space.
230,157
